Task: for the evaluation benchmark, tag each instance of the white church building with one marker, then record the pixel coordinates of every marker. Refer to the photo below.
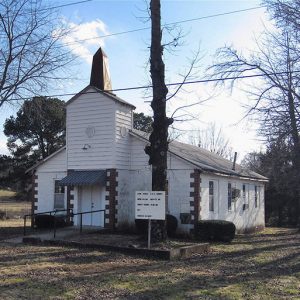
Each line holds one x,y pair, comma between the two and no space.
104,163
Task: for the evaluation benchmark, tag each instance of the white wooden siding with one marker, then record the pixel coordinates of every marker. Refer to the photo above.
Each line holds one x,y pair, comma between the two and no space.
57,163
46,189
139,159
98,111
243,219
123,119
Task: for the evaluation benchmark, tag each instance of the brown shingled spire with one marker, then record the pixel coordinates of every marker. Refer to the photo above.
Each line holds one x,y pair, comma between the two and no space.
100,77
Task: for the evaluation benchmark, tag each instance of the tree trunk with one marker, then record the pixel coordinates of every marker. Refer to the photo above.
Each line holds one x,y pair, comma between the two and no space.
294,133
158,148
295,152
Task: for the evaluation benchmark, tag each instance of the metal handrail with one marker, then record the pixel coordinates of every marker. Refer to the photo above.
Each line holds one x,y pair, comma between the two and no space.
42,213
71,215
75,214
47,212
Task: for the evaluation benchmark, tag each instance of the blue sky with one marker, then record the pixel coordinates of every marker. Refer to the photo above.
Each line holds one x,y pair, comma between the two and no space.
128,55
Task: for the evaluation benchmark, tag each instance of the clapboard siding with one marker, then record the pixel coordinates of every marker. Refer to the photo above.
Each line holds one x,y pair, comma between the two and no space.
45,194
57,163
98,111
139,159
123,119
244,219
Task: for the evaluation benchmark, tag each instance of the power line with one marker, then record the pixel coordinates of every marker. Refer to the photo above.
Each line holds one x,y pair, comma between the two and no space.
167,84
167,24
144,28
64,5
216,15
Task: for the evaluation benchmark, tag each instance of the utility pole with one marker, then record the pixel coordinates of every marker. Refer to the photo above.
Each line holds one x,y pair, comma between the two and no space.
158,148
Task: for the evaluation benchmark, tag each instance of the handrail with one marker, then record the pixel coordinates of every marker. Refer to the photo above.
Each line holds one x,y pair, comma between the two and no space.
75,214
71,215
47,212
42,213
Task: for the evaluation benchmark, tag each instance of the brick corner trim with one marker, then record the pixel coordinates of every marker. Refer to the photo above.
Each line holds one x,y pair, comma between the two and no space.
195,196
111,194
34,195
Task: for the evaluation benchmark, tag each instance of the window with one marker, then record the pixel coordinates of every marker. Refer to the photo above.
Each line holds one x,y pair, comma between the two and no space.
229,196
255,196
211,196
244,193
245,198
59,195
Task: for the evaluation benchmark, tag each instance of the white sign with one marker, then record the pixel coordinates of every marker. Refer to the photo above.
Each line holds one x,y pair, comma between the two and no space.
150,205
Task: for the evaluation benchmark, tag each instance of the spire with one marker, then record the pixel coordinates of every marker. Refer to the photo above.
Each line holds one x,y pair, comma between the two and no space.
100,77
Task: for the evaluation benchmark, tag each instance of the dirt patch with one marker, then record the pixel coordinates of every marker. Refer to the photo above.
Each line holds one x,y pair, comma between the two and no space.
127,240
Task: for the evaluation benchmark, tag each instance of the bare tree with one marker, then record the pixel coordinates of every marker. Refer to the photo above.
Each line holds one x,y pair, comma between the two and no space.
276,95
31,55
285,12
158,148
213,140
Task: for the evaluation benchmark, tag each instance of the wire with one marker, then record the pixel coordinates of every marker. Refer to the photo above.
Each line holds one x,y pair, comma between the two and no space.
167,24
167,84
143,28
64,5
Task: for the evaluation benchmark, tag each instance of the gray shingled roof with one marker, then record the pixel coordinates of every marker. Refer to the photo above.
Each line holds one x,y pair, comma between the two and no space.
204,159
89,177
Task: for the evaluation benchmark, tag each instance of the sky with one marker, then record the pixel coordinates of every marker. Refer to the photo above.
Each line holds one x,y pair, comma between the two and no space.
205,25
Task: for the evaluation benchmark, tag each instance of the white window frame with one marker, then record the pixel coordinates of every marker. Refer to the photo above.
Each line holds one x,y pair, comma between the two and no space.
229,193
211,197
245,195
256,196
58,196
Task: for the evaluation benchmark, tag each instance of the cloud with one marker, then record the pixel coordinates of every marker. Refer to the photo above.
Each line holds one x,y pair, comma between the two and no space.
78,40
3,148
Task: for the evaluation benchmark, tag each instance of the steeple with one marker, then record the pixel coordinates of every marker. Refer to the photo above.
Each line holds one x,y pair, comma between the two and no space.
100,77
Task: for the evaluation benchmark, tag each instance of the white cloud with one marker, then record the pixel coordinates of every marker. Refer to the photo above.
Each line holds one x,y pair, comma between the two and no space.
88,34
3,148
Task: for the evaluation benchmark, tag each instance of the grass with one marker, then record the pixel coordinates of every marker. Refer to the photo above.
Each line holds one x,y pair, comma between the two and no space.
258,266
11,208
11,228
7,194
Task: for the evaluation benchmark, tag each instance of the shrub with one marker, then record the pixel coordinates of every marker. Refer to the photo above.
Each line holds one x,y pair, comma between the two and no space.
215,230
2,215
142,225
47,221
171,225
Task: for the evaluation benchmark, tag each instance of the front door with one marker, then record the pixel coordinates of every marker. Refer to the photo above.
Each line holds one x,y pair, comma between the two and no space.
91,199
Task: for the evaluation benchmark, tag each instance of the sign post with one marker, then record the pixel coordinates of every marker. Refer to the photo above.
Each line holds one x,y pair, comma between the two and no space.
149,233
150,205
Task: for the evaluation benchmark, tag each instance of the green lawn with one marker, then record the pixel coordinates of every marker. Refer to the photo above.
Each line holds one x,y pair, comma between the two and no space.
259,266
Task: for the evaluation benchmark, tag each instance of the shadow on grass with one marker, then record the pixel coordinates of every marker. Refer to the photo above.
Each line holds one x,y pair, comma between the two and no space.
228,274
